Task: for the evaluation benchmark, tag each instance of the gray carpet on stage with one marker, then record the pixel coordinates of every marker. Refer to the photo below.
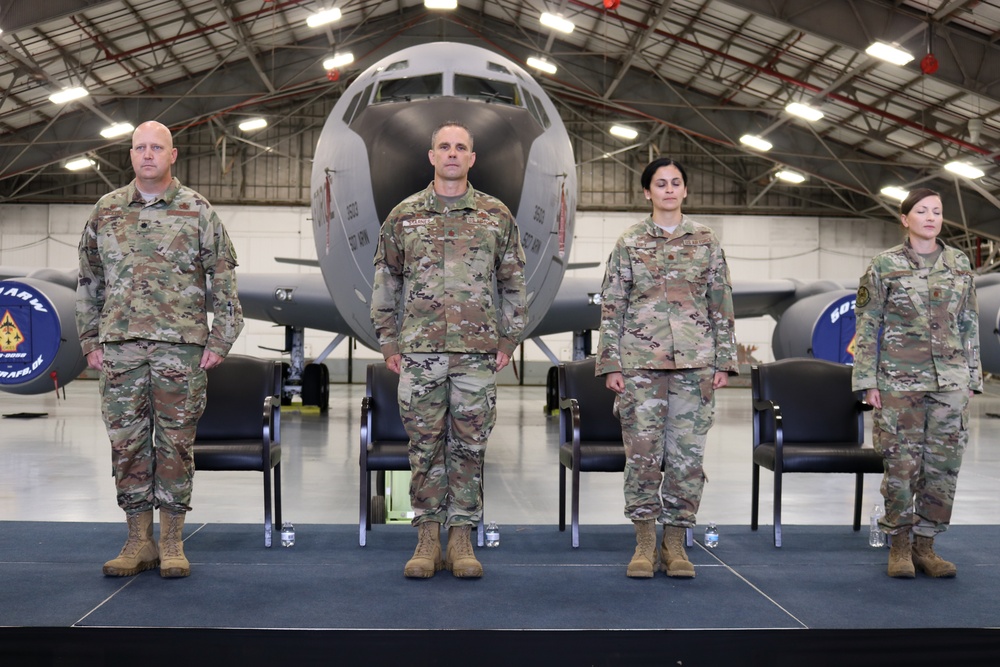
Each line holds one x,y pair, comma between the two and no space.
823,577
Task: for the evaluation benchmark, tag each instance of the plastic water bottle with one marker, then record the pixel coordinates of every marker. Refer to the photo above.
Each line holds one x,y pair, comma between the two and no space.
876,538
711,536
493,534
287,534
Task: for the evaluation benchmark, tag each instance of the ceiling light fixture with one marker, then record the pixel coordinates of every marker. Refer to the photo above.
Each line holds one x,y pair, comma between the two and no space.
965,169
804,111
755,142
789,176
624,132
68,95
895,192
890,53
79,163
117,130
556,22
441,4
323,17
542,65
338,60
253,124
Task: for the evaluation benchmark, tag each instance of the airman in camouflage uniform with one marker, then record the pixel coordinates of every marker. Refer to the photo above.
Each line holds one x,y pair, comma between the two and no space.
666,345
439,326
150,254
917,358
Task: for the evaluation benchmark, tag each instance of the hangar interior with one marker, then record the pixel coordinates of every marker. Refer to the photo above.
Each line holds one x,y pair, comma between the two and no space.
693,78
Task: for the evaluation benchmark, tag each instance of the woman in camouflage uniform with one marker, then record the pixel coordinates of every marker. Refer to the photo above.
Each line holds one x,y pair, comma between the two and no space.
666,345
917,358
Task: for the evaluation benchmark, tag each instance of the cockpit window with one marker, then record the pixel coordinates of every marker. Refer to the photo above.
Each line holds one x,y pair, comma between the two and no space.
495,67
476,87
546,123
398,65
395,90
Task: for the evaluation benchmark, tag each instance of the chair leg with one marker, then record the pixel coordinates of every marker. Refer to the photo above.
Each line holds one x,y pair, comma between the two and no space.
689,538
754,497
859,488
777,508
363,503
267,507
277,494
575,505
562,497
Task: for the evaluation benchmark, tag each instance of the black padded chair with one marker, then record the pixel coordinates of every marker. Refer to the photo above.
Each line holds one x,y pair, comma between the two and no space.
384,446
241,426
590,435
807,419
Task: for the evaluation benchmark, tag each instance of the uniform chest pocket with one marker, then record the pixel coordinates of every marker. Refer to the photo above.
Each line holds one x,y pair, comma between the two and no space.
694,263
646,268
180,244
421,239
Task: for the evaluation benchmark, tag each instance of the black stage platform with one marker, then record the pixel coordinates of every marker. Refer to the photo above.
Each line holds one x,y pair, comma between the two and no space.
822,599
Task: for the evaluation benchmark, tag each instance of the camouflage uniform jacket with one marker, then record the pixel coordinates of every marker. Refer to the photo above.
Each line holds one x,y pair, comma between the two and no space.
667,302
929,323
440,262
146,271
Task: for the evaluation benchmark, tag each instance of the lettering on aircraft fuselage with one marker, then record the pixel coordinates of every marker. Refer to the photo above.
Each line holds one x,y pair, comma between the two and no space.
359,240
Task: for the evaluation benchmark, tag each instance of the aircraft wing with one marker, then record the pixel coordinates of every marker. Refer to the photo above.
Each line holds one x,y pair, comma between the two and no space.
290,299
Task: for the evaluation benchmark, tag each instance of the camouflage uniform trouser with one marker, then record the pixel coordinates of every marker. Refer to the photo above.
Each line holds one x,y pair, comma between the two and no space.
153,395
448,406
922,437
665,413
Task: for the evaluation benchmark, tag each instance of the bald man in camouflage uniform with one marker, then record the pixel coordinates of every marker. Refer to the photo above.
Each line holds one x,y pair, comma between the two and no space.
917,358
149,254
666,345
440,327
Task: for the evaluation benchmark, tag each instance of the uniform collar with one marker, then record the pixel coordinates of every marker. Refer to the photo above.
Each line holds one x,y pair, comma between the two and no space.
432,202
167,197
686,226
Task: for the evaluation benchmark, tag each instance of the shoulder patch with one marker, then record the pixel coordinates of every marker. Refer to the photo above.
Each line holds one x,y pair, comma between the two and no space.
863,297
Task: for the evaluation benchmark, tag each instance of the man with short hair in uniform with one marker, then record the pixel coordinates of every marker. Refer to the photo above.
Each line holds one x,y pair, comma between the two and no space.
150,254
440,327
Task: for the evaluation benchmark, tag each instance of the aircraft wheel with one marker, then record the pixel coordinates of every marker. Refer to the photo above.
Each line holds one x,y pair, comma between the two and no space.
316,386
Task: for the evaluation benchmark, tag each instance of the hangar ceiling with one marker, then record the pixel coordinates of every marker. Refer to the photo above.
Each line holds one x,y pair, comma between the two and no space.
692,76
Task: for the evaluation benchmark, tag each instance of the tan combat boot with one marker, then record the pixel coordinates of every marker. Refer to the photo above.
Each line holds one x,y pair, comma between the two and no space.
427,556
139,552
644,558
673,557
173,563
929,562
900,560
460,558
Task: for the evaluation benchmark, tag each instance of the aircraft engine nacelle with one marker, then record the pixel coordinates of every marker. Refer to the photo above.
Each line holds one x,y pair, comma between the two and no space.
39,344
820,326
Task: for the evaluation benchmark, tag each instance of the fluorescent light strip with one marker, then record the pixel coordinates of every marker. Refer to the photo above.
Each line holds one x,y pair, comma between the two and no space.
624,132
117,130
804,111
758,143
441,4
253,124
965,169
79,163
323,17
895,192
542,64
68,95
889,53
338,60
556,23
790,176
